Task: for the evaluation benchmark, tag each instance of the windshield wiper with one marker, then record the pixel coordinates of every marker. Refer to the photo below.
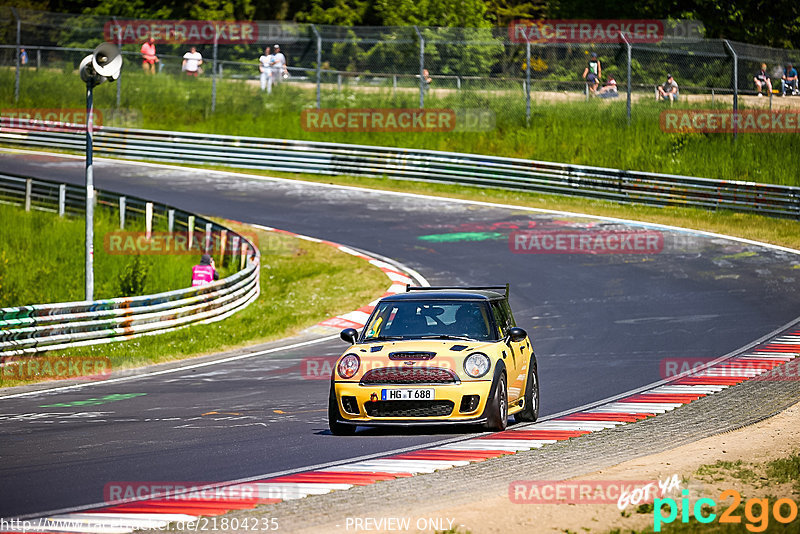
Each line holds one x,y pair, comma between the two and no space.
384,338
447,336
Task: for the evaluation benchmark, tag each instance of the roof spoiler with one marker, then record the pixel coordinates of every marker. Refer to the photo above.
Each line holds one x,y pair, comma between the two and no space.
504,288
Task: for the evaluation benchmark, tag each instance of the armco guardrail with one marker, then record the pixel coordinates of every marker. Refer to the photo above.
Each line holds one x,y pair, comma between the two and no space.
30,329
423,165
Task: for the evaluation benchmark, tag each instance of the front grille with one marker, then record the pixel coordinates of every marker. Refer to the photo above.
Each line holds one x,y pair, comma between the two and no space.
409,375
412,355
409,408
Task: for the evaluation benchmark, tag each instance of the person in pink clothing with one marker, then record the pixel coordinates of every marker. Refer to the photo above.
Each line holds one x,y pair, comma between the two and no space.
149,57
204,272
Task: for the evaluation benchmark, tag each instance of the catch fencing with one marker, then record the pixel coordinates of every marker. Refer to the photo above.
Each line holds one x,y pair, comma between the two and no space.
26,330
460,67
424,165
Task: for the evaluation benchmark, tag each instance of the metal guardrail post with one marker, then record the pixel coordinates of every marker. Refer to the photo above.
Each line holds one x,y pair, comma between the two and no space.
119,78
527,82
89,245
170,220
207,246
629,51
735,85
122,205
223,242
16,63
62,199
214,76
28,186
421,68
319,65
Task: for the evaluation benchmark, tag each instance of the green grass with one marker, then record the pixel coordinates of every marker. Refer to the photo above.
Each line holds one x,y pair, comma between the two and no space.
42,260
302,283
591,133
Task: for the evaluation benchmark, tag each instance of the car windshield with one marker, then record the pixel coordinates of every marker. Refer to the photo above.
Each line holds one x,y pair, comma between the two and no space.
445,319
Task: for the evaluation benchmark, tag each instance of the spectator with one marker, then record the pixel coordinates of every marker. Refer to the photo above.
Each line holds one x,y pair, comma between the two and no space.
149,57
265,69
426,79
762,79
789,79
191,62
668,91
609,90
279,69
204,273
23,57
592,73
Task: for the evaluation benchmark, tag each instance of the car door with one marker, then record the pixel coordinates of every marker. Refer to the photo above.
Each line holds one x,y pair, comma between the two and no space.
516,364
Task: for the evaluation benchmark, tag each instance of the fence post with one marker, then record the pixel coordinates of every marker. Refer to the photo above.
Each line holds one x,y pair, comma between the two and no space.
122,205
735,84
628,104
19,41
421,68
223,242
148,220
170,220
319,65
38,58
119,45
208,237
527,82
394,84
62,199
28,187
214,77
339,82
190,230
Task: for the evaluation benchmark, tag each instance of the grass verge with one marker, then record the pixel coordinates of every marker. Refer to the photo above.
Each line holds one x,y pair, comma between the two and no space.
302,283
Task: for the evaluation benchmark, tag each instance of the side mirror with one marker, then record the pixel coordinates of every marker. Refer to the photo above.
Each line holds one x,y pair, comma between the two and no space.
350,335
517,334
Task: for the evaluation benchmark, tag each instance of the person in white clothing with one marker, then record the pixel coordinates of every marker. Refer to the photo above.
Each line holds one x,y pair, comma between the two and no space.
264,67
191,62
278,66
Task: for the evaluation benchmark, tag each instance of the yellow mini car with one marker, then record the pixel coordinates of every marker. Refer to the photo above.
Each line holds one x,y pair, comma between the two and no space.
435,355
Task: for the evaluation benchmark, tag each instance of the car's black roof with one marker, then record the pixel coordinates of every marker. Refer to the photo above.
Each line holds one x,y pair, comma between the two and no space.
448,294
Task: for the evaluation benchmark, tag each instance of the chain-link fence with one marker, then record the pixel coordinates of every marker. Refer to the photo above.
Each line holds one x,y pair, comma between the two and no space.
334,66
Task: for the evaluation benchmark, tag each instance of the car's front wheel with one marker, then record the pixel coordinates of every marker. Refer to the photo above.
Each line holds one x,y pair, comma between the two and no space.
497,418
337,428
530,411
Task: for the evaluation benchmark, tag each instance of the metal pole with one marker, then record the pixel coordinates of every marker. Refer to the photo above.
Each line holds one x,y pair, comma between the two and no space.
421,68
122,204
28,191
89,266
214,77
319,66
62,199
528,82
119,45
19,41
735,84
630,83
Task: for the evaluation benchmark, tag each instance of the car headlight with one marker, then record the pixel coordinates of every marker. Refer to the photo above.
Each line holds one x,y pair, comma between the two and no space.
348,366
477,364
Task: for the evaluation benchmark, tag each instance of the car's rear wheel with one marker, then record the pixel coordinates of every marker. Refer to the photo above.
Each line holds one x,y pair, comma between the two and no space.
497,418
337,428
530,411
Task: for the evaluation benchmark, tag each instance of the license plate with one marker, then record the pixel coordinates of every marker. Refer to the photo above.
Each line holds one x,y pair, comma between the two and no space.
408,394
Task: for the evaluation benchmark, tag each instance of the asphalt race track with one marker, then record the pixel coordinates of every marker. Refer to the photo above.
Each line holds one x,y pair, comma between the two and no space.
602,324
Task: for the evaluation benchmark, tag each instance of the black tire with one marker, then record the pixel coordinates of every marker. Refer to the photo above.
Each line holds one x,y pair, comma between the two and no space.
497,410
530,412
337,428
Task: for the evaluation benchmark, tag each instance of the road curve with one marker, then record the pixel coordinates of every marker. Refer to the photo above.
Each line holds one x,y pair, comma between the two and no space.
602,324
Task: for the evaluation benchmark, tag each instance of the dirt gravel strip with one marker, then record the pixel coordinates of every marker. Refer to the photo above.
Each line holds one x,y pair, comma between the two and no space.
422,495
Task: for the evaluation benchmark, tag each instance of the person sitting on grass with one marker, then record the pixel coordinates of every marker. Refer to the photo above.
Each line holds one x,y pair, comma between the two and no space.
668,91
789,79
609,90
762,79
204,273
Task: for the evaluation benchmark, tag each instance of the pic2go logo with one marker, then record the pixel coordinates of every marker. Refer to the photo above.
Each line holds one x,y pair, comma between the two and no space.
756,511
